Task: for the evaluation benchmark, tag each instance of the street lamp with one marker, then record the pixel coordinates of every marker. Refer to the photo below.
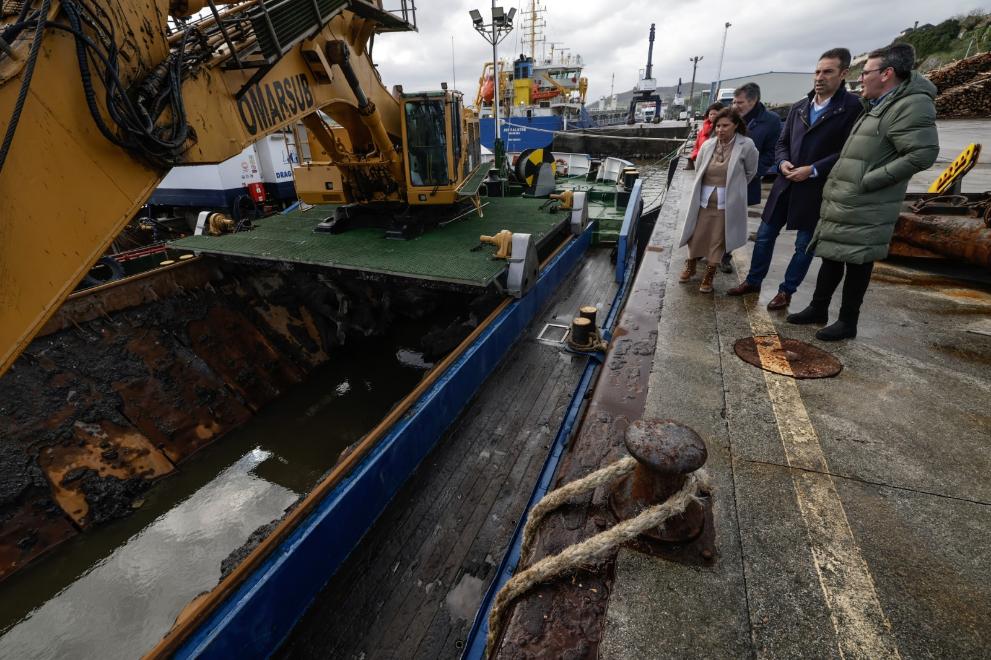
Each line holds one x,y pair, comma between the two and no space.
719,71
494,32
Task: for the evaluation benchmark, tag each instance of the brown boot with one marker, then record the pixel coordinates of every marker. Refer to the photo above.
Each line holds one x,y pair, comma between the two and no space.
689,271
710,274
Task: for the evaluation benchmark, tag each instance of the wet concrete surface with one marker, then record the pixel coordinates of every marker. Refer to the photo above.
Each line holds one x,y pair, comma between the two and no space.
903,431
954,136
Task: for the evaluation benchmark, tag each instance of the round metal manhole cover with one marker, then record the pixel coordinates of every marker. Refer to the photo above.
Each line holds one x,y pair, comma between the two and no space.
788,357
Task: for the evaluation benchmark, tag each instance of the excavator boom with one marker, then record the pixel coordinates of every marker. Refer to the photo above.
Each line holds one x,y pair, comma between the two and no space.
113,93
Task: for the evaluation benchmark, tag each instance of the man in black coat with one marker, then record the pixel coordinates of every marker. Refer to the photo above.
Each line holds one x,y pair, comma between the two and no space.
763,127
814,133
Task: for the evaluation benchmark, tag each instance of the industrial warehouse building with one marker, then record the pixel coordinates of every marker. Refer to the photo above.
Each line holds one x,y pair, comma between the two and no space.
776,87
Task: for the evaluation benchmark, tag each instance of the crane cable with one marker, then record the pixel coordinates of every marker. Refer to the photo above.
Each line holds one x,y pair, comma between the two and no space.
15,117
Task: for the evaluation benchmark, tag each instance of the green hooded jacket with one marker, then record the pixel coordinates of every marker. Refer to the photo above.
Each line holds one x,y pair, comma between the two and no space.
865,189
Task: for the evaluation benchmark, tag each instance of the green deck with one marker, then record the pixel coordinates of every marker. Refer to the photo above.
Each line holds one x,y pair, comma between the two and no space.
443,254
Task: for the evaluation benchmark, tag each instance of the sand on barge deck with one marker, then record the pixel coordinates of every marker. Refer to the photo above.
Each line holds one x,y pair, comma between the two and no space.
852,515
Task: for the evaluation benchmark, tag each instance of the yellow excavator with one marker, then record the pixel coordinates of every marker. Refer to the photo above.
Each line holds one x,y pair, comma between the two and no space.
99,98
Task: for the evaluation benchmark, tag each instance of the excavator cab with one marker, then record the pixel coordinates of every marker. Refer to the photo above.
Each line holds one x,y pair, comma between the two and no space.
436,147
405,178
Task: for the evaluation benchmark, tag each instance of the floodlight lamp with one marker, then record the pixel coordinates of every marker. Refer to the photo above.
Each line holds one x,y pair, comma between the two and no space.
498,15
512,12
476,16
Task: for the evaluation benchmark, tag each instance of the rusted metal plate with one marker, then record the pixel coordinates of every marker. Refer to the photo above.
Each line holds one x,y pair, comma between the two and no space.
30,532
298,329
285,315
788,357
156,368
241,355
137,290
179,404
100,451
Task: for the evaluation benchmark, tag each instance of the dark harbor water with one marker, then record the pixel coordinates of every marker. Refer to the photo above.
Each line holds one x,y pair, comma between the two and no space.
115,590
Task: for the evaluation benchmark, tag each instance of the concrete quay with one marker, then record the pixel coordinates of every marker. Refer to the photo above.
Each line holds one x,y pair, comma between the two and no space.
852,514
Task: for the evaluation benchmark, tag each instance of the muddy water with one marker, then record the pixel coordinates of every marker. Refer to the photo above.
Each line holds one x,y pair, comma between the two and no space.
115,590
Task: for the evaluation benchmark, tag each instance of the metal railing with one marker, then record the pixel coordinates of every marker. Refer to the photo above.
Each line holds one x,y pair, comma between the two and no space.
405,12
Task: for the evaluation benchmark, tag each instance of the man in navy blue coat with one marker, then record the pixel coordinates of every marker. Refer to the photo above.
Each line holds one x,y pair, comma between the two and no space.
763,127
814,133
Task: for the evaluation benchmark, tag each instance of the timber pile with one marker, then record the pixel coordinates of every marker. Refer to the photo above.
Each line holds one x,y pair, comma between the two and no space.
971,99
964,87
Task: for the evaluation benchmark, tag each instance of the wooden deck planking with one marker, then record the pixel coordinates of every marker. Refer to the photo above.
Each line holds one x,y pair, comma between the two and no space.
456,514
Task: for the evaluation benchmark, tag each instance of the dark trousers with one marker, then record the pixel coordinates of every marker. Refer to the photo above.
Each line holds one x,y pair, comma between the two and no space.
760,262
858,276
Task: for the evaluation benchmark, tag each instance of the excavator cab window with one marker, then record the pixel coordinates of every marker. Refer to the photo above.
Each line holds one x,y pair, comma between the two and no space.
426,135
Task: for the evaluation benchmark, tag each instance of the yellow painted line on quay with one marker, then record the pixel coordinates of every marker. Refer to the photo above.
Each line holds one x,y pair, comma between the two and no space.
862,629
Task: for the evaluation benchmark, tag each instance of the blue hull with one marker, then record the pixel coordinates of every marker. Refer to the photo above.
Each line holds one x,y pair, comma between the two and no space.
254,620
521,132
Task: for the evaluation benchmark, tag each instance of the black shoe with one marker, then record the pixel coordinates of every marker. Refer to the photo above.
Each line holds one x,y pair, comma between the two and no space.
807,316
837,331
726,264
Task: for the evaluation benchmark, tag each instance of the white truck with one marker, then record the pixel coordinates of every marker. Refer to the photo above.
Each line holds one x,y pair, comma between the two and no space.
725,96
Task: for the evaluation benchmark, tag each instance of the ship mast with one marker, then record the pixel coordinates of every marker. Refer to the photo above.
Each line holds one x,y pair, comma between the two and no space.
533,27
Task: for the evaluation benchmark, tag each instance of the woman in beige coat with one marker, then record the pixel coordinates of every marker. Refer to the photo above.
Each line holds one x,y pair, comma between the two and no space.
716,221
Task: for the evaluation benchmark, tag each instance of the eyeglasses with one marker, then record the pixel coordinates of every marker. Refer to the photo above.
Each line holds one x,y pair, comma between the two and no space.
866,71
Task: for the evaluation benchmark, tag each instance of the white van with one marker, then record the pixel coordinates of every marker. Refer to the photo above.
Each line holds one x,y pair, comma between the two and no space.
725,96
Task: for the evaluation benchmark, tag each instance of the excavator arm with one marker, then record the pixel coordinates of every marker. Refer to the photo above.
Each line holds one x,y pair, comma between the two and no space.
99,98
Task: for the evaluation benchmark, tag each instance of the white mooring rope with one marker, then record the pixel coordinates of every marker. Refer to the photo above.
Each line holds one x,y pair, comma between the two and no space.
591,549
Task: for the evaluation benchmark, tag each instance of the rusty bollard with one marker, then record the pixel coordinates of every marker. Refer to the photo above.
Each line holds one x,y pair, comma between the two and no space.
666,452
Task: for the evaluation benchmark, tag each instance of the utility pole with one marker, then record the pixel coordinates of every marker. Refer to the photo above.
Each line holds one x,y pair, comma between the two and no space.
722,51
691,94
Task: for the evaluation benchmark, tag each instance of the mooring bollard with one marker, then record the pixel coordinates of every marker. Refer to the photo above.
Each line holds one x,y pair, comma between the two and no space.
666,453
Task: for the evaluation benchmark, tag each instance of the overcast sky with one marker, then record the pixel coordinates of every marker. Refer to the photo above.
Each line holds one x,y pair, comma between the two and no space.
611,36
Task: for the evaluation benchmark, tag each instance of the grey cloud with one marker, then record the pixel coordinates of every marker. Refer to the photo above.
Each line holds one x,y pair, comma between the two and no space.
612,37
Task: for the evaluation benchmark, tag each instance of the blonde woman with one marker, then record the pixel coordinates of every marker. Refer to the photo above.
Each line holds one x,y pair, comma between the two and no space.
716,222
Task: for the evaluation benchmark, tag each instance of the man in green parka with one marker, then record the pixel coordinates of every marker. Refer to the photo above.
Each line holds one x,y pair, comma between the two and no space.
893,139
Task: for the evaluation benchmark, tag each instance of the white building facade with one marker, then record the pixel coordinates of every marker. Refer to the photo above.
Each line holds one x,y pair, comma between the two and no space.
776,87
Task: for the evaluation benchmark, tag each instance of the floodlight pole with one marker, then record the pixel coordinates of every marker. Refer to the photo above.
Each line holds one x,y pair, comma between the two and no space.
495,32
692,110
495,71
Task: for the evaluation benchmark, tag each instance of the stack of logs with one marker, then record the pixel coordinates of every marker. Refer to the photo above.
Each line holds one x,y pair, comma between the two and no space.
964,88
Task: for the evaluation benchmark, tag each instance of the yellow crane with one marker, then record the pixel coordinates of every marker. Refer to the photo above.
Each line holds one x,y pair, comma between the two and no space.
99,98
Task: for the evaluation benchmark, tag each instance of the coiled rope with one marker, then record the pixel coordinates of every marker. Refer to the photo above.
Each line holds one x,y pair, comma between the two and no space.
595,344
589,550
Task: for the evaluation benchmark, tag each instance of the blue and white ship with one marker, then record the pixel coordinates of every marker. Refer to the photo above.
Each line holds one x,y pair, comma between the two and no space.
539,93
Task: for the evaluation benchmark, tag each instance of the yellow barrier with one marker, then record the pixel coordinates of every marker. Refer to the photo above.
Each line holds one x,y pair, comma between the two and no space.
960,166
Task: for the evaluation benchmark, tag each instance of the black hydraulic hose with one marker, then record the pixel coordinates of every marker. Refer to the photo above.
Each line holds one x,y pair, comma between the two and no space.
88,91
132,118
25,82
